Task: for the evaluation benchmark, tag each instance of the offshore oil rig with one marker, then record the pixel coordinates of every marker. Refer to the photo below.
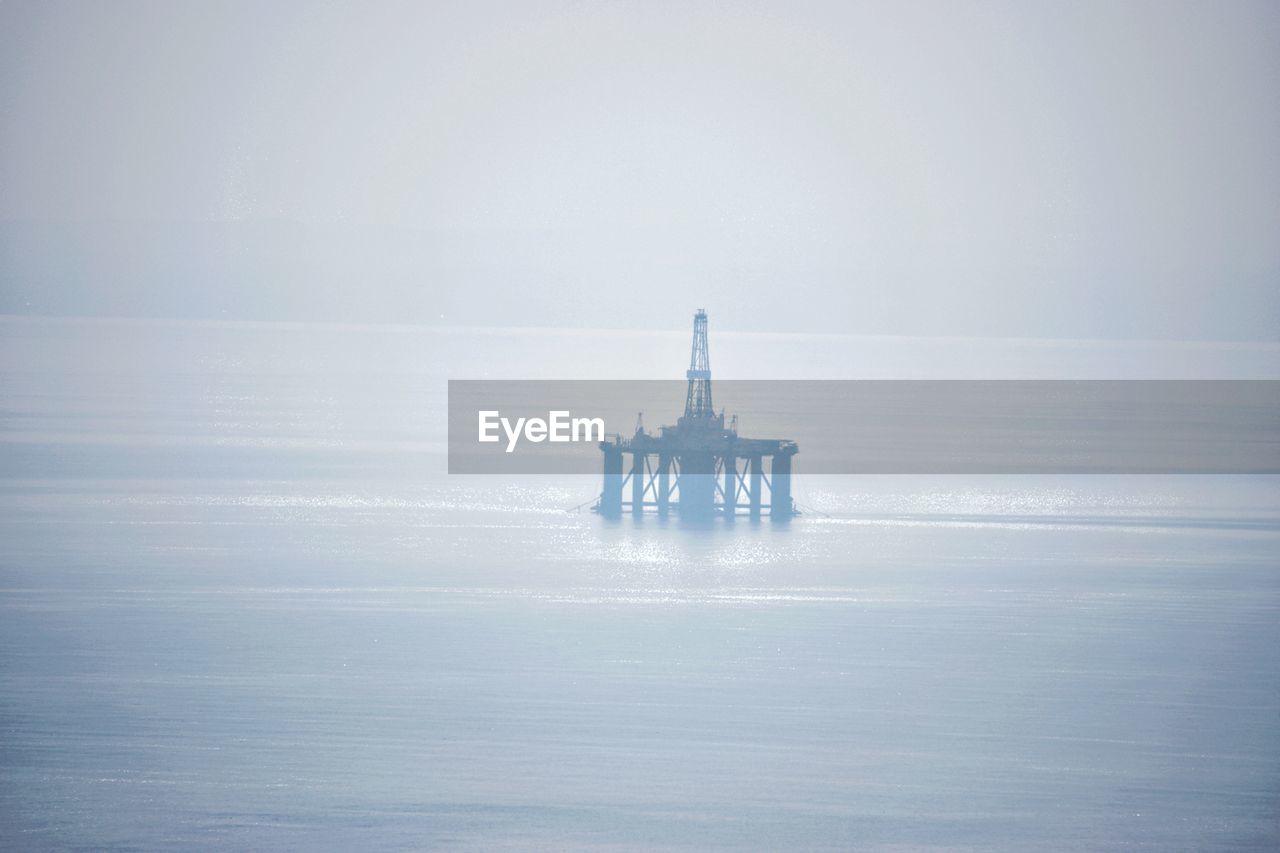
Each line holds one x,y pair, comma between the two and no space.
693,467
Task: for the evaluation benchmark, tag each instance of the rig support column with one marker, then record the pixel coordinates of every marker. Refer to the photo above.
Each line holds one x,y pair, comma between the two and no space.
697,486
730,486
757,471
664,484
611,496
637,482
780,491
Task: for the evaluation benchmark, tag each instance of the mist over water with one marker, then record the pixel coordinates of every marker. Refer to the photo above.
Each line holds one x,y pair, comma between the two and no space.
242,605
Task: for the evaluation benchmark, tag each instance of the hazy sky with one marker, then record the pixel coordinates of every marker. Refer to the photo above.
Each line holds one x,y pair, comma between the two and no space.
1073,169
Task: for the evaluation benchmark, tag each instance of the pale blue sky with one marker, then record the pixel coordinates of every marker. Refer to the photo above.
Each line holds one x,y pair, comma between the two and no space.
1009,169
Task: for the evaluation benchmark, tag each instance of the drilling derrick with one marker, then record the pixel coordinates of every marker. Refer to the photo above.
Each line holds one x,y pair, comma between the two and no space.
694,467
697,403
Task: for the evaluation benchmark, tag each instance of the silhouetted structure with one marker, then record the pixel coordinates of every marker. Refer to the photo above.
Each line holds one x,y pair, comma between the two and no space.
693,467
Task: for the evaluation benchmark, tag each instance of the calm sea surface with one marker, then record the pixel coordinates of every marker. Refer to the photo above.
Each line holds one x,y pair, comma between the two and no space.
241,605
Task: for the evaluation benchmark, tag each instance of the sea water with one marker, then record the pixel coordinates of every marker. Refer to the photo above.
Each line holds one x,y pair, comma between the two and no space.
242,605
